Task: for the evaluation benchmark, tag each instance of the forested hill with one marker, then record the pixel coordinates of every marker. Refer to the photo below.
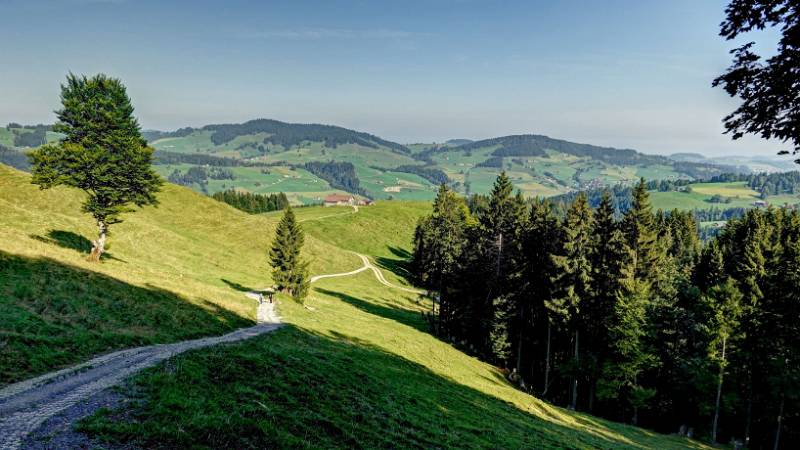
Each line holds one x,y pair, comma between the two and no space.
266,156
286,135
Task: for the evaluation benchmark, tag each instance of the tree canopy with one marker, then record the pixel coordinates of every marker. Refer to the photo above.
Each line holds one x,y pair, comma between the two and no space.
102,152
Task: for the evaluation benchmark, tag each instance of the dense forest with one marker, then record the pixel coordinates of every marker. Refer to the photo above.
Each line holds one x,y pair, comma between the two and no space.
625,316
200,175
527,144
166,158
14,158
432,174
253,203
292,134
340,175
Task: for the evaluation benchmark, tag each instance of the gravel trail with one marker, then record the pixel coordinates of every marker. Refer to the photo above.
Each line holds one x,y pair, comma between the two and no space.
26,405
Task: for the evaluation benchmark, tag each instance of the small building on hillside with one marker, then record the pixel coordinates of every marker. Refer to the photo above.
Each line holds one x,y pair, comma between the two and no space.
760,204
340,200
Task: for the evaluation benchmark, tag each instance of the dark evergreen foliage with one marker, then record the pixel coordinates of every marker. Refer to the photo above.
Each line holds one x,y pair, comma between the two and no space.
167,158
289,269
340,175
520,145
494,161
14,158
252,203
627,318
289,135
435,176
35,138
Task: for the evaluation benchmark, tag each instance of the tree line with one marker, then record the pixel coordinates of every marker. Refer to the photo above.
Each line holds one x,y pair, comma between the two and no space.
432,174
252,203
14,158
340,175
626,315
168,158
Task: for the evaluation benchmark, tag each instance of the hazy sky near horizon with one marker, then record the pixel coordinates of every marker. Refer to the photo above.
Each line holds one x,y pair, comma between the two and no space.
622,73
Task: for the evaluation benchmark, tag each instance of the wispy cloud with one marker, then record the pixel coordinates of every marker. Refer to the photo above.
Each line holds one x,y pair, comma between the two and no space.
331,33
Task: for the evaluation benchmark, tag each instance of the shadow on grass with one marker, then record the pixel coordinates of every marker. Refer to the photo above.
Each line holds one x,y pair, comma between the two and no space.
72,241
237,286
301,388
407,317
53,315
398,265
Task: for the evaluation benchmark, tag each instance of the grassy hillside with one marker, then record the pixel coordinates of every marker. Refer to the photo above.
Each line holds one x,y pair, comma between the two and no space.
173,272
729,195
355,367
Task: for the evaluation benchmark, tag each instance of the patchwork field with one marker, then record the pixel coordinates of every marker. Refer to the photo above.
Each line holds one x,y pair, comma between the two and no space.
731,195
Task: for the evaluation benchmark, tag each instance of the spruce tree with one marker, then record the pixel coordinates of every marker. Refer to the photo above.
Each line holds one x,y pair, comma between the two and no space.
640,230
289,270
446,238
541,242
102,153
502,225
629,355
575,277
610,256
723,303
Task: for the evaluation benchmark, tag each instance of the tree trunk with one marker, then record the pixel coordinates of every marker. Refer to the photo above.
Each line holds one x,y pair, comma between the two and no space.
519,340
99,245
780,421
635,418
547,362
573,404
749,415
592,388
719,396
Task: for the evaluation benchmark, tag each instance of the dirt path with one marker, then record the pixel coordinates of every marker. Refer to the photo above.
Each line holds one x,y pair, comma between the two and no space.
379,275
367,266
24,406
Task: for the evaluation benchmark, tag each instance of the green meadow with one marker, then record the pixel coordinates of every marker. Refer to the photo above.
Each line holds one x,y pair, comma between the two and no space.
355,366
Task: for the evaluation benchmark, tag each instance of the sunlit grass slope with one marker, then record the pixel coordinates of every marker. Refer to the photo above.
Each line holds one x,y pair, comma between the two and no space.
699,195
173,272
355,367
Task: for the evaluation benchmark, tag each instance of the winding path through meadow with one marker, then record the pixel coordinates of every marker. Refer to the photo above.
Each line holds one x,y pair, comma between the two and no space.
25,406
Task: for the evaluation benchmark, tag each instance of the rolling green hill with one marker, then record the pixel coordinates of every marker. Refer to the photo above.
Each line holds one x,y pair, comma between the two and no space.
269,156
354,367
538,165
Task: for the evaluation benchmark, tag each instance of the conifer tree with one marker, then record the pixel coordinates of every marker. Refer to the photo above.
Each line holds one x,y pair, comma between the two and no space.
502,227
541,243
723,303
610,256
102,153
575,277
629,353
446,238
289,270
640,231
710,269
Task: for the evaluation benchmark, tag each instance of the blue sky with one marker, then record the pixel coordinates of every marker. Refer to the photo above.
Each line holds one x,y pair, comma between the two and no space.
614,72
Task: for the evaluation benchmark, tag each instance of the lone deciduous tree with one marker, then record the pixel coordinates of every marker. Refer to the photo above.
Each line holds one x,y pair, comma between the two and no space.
768,88
289,270
102,153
